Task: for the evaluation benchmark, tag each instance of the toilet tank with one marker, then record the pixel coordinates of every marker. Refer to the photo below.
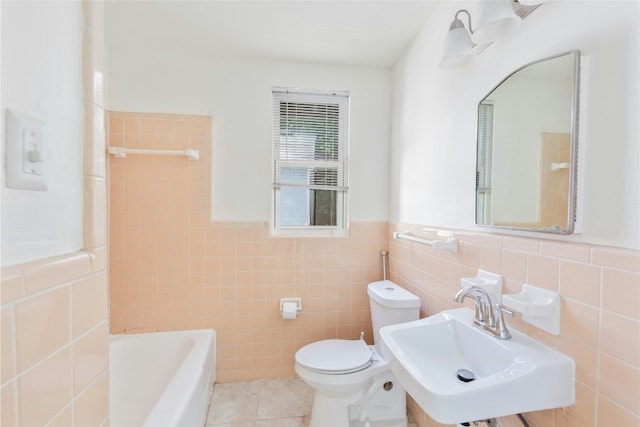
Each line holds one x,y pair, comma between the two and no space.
390,304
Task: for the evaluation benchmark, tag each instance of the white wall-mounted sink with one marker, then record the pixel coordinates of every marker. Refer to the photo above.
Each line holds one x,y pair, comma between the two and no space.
511,376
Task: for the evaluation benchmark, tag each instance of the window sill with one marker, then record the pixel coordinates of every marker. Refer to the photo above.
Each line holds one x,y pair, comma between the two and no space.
309,232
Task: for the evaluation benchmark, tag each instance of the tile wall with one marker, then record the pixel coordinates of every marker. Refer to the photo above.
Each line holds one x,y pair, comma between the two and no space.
600,330
55,352
55,357
172,268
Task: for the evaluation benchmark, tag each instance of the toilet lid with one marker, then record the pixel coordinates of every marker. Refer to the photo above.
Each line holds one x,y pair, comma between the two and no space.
335,356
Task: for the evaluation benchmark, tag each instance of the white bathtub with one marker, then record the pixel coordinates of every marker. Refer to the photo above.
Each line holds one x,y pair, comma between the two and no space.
161,379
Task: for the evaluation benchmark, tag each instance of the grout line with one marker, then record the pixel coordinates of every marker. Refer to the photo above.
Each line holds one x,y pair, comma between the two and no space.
598,349
68,345
16,398
72,360
59,286
64,408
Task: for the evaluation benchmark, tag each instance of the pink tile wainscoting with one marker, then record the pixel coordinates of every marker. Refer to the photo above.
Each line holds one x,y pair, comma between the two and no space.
600,329
172,268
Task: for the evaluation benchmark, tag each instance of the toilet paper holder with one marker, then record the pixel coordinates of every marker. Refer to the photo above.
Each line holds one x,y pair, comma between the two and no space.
298,302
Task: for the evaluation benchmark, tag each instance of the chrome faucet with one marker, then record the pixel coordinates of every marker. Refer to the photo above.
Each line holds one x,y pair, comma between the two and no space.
489,316
484,314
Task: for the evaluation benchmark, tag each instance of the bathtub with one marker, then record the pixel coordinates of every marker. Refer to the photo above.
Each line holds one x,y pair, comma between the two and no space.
161,379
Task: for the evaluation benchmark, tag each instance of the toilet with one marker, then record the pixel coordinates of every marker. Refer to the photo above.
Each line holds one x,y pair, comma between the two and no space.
353,383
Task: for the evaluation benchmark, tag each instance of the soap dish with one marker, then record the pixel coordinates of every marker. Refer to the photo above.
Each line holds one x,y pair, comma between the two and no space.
538,307
490,282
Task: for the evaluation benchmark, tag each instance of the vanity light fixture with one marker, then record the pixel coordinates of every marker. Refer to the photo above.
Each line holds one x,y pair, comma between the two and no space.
458,47
497,18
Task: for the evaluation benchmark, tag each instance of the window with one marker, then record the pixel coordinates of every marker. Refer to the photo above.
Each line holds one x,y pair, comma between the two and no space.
483,168
310,165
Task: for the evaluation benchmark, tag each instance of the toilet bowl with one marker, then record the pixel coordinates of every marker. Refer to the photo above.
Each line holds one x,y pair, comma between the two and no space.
355,392
353,383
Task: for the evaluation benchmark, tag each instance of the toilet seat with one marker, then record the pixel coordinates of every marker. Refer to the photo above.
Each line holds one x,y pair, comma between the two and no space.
335,356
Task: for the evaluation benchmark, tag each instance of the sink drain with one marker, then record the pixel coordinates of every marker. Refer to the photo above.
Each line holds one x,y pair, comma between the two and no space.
465,375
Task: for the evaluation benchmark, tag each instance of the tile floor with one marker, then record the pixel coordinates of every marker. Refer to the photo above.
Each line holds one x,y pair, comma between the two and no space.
262,403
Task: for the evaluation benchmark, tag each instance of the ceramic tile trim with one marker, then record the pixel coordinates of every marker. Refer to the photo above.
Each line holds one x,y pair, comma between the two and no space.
46,273
12,284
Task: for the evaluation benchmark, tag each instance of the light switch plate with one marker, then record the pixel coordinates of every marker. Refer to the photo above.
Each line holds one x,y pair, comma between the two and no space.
26,154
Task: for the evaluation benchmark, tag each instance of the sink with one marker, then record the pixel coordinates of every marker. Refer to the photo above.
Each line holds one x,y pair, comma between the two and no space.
511,376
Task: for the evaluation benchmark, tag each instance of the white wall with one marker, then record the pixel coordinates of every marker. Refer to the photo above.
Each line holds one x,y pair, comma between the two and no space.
237,94
434,116
41,76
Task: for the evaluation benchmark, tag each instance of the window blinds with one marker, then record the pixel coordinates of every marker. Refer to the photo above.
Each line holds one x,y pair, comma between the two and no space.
310,139
485,144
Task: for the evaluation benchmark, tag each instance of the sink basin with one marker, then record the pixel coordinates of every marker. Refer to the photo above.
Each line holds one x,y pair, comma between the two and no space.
511,376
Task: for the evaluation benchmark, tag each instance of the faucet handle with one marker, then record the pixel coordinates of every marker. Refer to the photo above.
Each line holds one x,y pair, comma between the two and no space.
501,326
502,309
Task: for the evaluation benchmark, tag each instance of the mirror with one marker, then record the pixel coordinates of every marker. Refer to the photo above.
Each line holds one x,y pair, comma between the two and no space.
527,146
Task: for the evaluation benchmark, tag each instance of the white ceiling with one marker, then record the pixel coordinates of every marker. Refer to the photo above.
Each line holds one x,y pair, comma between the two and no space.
355,32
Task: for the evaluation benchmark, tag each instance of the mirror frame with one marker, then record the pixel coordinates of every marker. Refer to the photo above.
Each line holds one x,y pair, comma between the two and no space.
573,151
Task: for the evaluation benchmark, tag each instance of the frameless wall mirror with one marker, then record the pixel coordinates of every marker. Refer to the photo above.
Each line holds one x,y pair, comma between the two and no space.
527,148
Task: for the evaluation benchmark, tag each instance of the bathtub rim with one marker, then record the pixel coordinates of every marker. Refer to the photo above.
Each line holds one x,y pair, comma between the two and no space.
181,396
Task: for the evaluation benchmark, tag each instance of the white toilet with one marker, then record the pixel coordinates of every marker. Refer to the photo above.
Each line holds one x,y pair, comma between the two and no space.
353,383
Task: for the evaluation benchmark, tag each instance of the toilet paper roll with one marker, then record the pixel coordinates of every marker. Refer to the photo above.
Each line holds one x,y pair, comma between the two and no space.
289,310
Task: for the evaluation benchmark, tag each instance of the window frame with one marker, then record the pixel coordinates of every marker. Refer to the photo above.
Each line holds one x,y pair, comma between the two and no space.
342,99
